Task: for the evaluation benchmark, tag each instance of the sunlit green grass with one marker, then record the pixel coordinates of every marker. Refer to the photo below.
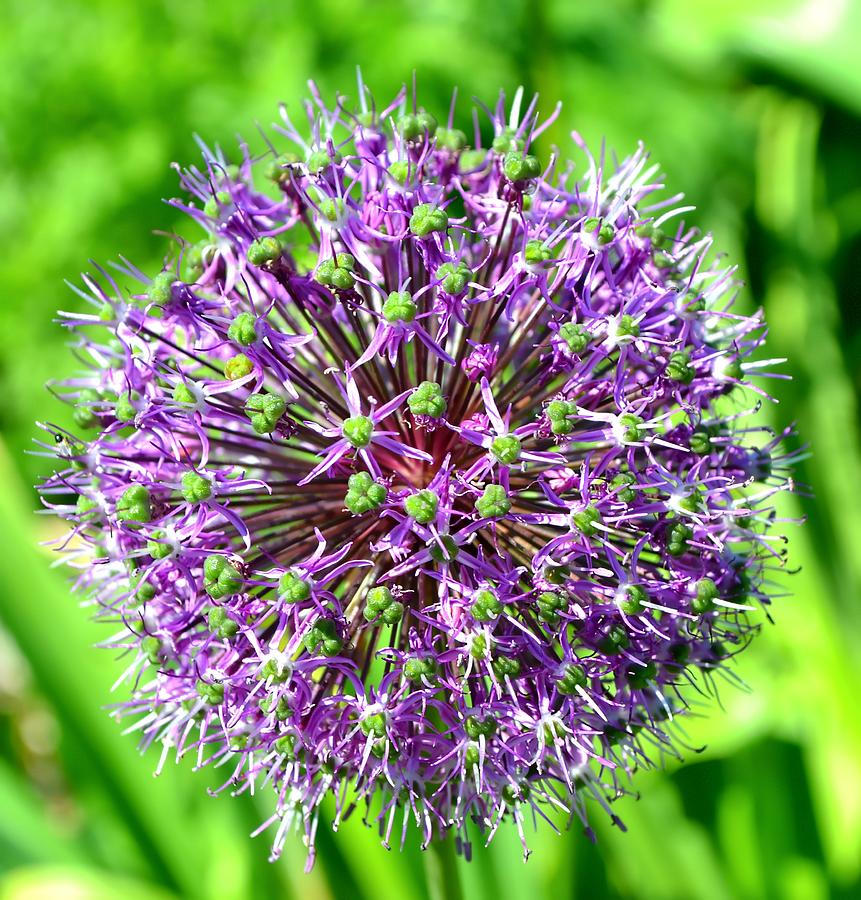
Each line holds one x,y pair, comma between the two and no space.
754,110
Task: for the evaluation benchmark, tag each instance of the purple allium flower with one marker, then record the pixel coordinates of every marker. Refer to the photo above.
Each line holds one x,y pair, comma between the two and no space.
425,479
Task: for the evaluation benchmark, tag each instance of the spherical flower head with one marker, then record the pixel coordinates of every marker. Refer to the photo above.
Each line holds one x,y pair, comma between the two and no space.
425,478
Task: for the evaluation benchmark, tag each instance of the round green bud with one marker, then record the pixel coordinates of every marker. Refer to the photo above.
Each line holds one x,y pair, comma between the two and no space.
614,641
195,488
158,547
471,160
635,597
485,606
183,394
160,289
627,327
704,599
125,409
238,367
214,205
507,140
144,591
677,539
364,494
586,520
427,400
85,506
603,231
374,724
323,638
690,502
454,277
320,159
195,258
557,574
472,756
273,671
631,423
419,668
478,646
264,251
422,506
285,745
427,218
506,449
211,693
134,505
679,368
332,209
243,329
558,412
84,415
337,272
476,727
452,139
536,252
413,127
152,649
399,307
400,170
519,166
444,549
550,604
700,442
293,589
493,502
393,613
278,169
219,622
728,369
571,678
265,410
620,483
506,667
220,577
379,597
576,336
639,677
342,279
679,654
358,431
513,795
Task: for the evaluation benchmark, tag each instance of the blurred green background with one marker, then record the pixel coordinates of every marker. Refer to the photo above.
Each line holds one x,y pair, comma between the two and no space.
754,109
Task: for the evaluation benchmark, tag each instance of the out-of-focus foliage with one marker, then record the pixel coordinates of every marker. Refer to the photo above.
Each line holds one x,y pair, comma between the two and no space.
752,107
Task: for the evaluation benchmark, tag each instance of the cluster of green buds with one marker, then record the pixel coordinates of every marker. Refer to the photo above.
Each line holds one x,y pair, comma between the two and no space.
380,605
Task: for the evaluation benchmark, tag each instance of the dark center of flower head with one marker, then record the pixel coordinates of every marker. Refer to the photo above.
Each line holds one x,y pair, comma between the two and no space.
423,474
